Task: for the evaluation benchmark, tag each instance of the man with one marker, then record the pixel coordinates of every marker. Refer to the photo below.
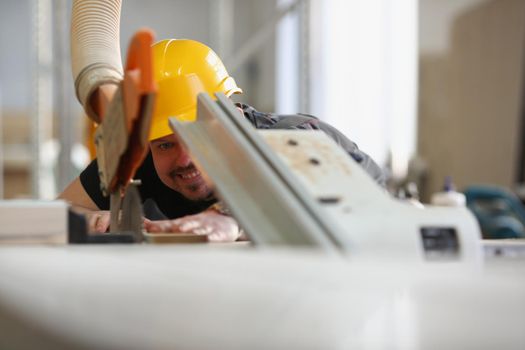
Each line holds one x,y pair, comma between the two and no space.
172,188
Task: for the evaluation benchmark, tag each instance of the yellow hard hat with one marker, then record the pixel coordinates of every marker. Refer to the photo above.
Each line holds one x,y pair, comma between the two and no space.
183,69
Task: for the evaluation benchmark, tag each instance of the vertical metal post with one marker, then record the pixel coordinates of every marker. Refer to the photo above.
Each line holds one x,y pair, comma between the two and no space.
42,90
317,57
304,56
63,89
256,40
287,58
222,26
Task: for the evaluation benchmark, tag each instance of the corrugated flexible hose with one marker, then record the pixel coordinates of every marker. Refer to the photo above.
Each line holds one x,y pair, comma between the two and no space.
95,47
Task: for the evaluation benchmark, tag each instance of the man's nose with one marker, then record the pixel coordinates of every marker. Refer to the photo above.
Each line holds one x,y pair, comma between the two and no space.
183,158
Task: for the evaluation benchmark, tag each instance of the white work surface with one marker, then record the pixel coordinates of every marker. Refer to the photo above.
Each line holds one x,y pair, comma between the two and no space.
199,297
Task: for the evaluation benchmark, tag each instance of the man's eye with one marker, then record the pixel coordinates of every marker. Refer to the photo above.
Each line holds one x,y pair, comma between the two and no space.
165,146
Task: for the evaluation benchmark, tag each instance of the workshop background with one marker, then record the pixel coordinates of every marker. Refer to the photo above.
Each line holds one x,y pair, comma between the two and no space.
428,88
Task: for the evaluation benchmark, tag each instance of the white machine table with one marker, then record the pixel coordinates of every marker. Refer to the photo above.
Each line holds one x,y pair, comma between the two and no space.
198,297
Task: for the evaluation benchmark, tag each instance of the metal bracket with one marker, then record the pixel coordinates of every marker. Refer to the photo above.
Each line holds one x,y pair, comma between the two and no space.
126,212
299,188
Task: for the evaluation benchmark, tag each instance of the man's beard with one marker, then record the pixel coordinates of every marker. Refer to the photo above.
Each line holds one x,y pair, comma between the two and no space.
195,188
192,188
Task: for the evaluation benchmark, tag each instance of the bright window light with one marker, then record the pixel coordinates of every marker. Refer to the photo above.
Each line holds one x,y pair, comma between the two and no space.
363,73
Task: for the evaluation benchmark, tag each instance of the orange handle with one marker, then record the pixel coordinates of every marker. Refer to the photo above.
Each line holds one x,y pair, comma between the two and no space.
138,89
140,58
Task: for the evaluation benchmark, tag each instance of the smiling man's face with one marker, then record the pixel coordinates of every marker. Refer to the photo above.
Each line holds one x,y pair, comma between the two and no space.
176,169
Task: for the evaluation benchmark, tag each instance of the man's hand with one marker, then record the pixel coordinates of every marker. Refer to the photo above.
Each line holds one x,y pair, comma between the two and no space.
218,228
98,221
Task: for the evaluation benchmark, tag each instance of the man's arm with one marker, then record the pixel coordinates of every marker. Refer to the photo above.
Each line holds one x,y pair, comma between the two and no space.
308,122
366,162
76,195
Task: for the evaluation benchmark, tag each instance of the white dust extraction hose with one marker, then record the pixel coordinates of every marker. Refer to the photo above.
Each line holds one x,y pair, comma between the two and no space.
95,47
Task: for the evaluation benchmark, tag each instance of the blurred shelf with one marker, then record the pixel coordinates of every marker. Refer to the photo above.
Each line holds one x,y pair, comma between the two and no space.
17,156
